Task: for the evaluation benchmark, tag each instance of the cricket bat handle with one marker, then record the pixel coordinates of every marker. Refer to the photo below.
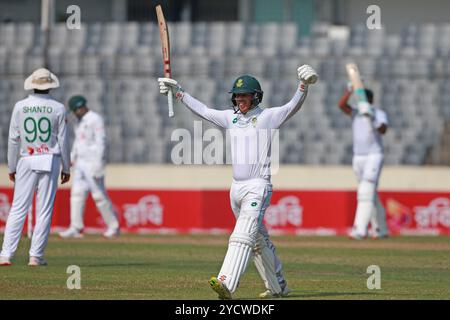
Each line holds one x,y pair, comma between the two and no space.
170,102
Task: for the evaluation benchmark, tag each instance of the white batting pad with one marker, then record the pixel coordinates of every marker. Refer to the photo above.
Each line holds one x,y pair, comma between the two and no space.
366,191
241,243
366,203
265,260
77,204
378,220
104,205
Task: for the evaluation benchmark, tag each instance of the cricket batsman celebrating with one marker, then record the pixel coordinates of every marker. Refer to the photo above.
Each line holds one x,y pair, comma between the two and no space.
88,157
37,147
368,127
251,189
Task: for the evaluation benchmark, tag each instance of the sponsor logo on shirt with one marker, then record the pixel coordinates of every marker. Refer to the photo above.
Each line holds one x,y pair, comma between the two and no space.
42,149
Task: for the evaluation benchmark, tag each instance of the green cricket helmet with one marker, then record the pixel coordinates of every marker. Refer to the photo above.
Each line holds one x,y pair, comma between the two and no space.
76,102
247,84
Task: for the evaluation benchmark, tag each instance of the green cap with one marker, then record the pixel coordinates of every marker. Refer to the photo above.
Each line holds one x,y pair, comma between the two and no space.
247,84
76,102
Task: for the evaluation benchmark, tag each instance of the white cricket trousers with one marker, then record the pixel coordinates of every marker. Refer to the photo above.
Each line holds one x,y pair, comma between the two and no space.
27,182
83,183
367,169
243,195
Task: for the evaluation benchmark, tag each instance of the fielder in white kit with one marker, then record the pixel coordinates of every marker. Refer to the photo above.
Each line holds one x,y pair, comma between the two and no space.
367,164
251,189
88,157
37,147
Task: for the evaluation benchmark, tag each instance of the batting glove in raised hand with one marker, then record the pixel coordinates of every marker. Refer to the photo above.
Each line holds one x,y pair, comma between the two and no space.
166,84
307,74
349,87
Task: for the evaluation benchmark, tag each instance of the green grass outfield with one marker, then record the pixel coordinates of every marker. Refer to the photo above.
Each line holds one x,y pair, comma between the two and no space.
178,267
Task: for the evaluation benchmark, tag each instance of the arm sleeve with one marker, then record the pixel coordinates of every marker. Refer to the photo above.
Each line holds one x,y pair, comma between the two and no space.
100,138
380,119
13,142
63,142
73,153
281,114
218,117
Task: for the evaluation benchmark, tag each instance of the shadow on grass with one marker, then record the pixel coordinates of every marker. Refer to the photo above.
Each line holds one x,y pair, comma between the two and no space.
294,294
115,264
326,294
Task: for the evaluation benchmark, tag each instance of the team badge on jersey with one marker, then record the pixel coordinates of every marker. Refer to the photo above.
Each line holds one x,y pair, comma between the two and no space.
254,204
254,120
235,120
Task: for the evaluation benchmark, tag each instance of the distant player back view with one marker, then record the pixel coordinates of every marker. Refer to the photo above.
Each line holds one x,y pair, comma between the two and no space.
37,147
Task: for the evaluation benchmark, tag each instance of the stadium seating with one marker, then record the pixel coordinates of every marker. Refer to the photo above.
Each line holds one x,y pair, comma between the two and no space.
116,65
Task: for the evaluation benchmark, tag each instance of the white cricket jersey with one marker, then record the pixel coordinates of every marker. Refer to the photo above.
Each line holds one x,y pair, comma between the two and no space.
250,134
38,127
366,138
90,143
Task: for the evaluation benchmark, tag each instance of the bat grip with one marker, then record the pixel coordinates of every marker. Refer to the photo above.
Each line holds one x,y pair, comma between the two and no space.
170,103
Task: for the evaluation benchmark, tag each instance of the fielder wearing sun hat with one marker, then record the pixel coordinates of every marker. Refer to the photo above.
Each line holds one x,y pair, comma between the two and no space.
41,79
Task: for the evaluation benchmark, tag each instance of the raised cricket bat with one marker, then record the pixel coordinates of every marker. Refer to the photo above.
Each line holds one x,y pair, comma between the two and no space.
165,46
358,88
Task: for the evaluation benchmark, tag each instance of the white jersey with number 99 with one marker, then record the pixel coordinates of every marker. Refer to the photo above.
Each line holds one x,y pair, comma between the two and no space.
38,122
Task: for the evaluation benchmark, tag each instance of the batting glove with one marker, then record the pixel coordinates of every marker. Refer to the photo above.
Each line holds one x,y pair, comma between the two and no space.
166,84
307,74
349,87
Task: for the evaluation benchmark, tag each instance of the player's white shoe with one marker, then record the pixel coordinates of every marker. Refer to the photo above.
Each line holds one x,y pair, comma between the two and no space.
71,233
268,294
220,289
37,261
356,236
380,236
5,262
285,289
111,233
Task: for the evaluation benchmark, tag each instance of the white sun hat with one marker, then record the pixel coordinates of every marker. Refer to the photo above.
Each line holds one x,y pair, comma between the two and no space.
41,79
